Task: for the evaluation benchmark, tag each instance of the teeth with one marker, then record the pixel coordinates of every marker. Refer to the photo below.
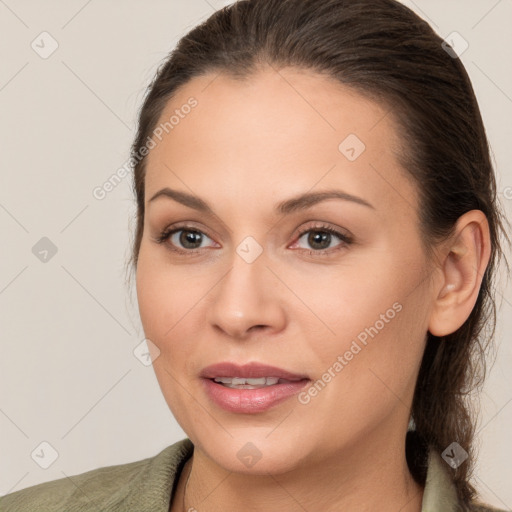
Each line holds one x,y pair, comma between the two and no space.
223,380
244,383
263,381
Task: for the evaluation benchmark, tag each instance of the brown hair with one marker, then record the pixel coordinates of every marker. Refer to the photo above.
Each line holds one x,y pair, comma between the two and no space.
386,52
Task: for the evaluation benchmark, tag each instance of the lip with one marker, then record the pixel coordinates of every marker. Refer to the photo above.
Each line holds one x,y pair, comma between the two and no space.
250,401
250,370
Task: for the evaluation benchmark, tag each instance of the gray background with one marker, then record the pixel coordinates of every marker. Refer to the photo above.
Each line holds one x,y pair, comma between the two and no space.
69,326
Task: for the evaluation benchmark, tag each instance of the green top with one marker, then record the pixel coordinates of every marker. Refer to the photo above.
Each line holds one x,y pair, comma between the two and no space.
147,486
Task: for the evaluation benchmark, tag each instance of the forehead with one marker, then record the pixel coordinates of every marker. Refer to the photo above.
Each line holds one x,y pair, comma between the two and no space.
289,129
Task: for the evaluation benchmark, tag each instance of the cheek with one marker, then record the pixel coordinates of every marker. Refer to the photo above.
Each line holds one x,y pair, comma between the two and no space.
157,285
151,297
347,301
173,302
377,296
377,321
163,298
164,301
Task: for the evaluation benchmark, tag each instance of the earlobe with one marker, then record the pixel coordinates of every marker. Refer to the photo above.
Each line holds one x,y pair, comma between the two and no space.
463,267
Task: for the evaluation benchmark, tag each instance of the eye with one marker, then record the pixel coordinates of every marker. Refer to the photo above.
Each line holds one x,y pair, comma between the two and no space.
183,239
186,239
321,237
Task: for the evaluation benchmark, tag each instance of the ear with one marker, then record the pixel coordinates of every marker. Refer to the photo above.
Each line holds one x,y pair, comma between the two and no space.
463,265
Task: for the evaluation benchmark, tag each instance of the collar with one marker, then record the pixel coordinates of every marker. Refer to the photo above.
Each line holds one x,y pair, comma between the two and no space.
439,492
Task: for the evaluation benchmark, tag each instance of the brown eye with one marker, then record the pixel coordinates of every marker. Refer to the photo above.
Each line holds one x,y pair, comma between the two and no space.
189,239
320,239
183,239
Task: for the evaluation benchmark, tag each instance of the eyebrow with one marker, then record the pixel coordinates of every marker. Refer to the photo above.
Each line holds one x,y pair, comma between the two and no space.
298,203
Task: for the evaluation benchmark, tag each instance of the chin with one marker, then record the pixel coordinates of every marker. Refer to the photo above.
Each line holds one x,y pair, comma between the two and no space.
253,451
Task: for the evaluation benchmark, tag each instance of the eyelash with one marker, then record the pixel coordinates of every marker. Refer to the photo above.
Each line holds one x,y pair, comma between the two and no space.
345,239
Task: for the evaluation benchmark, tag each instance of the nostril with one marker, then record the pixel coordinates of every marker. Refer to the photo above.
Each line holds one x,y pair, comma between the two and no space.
257,327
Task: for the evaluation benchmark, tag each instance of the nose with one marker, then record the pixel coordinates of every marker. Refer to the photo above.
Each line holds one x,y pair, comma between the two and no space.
247,300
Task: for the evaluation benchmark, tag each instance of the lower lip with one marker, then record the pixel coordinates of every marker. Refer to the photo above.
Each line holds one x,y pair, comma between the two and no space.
251,401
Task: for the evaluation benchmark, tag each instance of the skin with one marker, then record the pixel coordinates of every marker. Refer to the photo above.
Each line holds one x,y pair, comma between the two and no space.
245,147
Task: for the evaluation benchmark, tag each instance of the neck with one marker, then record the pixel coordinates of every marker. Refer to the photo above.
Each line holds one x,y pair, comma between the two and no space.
368,476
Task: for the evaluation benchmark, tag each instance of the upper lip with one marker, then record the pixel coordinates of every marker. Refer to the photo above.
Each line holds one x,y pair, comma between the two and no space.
250,371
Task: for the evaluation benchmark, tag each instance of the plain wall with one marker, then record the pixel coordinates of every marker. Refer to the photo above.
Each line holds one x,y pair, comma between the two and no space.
69,326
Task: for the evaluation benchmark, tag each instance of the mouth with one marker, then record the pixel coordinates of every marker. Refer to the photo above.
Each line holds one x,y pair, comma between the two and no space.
251,388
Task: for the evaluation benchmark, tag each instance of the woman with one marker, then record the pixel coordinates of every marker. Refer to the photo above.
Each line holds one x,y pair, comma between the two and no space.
317,235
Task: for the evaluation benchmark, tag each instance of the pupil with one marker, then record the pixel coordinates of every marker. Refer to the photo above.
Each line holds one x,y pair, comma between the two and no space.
319,237
190,237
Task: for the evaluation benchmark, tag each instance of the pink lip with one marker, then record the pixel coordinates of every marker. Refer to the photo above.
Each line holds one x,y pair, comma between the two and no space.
250,370
250,401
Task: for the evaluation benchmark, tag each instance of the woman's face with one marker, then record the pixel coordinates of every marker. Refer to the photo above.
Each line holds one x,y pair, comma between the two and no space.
248,281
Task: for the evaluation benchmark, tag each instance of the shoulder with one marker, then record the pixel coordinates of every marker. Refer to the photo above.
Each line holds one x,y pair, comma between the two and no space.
141,485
